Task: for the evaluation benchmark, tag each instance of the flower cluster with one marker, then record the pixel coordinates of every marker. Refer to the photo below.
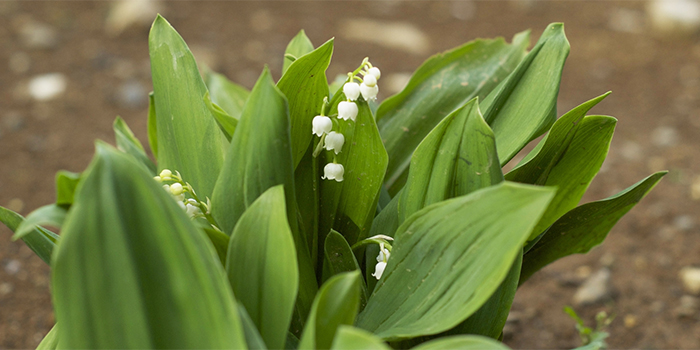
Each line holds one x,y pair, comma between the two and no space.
322,125
192,206
382,258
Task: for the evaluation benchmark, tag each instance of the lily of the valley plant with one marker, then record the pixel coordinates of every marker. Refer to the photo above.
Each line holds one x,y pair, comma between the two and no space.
302,215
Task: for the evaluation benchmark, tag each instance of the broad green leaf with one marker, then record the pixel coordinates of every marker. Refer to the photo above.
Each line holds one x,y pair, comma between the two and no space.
129,144
189,139
349,206
458,157
336,304
259,157
41,241
305,85
49,215
66,182
351,338
306,182
152,125
340,258
218,239
133,271
462,342
385,223
448,258
584,227
574,170
442,84
524,106
226,123
252,336
50,341
490,319
226,94
299,46
262,266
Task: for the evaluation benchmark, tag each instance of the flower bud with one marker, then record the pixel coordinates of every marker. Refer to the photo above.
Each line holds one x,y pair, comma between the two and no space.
334,142
347,110
166,174
370,80
321,125
369,92
157,178
192,210
333,171
375,72
351,91
176,189
379,270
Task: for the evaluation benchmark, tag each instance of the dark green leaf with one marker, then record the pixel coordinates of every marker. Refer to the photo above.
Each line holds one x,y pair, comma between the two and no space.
584,227
133,271
462,342
305,86
349,206
336,304
524,106
456,158
229,96
442,84
66,182
50,341
129,144
189,140
448,259
226,123
152,125
340,258
252,336
299,46
219,240
49,215
262,266
351,338
41,241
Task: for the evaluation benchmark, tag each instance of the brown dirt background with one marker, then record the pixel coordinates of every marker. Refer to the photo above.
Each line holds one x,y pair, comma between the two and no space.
655,83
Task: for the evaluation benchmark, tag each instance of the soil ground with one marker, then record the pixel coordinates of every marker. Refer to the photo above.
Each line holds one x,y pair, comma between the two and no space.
656,98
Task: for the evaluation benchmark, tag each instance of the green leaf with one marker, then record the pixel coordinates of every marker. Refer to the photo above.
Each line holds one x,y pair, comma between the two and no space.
584,227
129,144
458,157
66,182
218,239
349,206
259,157
48,215
442,84
152,125
252,336
448,258
336,304
305,86
262,266
189,139
133,271
340,258
50,341
41,241
524,106
573,172
226,94
226,123
462,342
299,46
351,338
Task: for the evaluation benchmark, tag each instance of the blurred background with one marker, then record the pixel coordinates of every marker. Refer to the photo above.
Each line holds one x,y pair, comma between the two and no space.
68,68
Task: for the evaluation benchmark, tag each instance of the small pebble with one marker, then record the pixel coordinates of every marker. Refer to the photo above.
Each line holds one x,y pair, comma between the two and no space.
688,306
132,94
13,266
664,136
679,17
36,35
48,86
403,36
6,288
683,222
595,289
630,321
690,276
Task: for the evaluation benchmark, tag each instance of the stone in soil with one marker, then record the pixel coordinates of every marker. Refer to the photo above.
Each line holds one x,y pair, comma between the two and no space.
47,86
37,35
690,276
688,306
597,288
674,17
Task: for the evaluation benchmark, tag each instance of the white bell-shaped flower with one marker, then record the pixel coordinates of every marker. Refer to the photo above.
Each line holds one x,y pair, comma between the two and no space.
383,253
375,72
192,210
321,125
334,142
347,110
369,80
333,171
379,269
166,174
351,91
176,189
369,92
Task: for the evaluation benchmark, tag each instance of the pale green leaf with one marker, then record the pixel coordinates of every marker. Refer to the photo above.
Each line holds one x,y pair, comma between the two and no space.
299,46
462,342
226,94
129,144
41,241
66,182
351,338
152,125
49,215
50,341
226,122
